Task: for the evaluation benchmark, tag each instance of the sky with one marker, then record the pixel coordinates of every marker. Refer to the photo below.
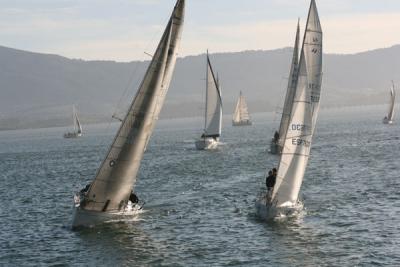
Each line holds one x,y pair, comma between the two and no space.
123,30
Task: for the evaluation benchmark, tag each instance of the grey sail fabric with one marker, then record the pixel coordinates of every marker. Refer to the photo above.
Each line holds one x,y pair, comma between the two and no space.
77,122
116,177
213,113
297,142
391,106
291,89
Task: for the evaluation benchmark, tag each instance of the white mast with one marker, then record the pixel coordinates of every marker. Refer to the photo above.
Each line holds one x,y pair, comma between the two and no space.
297,142
116,176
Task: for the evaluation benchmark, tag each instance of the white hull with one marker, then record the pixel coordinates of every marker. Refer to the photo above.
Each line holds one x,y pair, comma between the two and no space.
72,135
87,218
386,121
242,123
270,212
207,144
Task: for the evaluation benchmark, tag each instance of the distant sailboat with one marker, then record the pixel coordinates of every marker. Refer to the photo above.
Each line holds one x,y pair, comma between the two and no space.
241,116
110,196
389,118
213,114
283,200
278,139
77,126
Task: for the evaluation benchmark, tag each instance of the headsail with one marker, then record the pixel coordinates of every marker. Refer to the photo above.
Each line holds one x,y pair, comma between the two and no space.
297,142
291,89
116,177
392,100
213,114
241,111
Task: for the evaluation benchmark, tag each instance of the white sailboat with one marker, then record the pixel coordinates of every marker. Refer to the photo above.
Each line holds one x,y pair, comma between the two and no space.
77,126
241,117
284,200
110,196
213,114
278,139
389,118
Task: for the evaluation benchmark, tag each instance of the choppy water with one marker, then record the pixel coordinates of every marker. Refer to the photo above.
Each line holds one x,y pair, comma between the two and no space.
200,205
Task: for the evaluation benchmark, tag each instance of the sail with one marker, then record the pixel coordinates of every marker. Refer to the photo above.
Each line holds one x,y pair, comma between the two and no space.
78,123
241,110
213,104
297,142
291,89
116,176
392,100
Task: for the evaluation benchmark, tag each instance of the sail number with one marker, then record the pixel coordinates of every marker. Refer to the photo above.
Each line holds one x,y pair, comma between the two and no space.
315,91
300,142
299,127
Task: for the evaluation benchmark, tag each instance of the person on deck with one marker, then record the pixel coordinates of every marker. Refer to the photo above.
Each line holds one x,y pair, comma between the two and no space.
276,137
270,182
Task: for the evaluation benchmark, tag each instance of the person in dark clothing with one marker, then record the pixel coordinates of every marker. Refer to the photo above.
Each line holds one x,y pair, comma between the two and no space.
86,189
133,198
276,137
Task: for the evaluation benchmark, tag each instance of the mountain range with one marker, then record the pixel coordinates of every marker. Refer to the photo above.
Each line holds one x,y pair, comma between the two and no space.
38,90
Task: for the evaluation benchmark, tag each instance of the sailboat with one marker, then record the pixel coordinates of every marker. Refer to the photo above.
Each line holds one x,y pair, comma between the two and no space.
389,118
241,116
283,199
213,113
278,139
110,196
77,126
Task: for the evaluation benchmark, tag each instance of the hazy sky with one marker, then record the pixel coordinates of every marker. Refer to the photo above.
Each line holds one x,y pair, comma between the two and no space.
123,29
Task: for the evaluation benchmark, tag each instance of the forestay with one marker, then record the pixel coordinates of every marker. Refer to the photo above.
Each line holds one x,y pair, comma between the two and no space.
213,114
115,179
297,143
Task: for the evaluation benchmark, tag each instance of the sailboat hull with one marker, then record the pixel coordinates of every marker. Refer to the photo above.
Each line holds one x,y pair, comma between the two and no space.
275,148
87,218
242,123
72,135
268,212
207,144
386,121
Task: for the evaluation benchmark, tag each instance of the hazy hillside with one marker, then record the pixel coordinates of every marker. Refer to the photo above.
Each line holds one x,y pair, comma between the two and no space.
38,90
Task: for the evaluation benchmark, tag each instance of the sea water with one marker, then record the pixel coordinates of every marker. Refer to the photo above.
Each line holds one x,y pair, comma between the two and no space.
199,207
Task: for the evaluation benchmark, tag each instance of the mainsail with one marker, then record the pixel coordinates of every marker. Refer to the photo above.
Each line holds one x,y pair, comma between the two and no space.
291,89
241,111
392,99
77,123
116,176
213,113
297,142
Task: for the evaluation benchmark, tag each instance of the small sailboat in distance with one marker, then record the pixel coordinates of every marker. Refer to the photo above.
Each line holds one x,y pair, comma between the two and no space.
213,113
77,125
277,141
282,198
241,117
110,196
389,118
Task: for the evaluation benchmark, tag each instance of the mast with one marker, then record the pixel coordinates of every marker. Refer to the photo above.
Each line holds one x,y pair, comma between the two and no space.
117,174
297,142
291,88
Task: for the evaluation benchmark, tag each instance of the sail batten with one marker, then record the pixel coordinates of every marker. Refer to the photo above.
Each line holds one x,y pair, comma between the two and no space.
116,176
303,115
